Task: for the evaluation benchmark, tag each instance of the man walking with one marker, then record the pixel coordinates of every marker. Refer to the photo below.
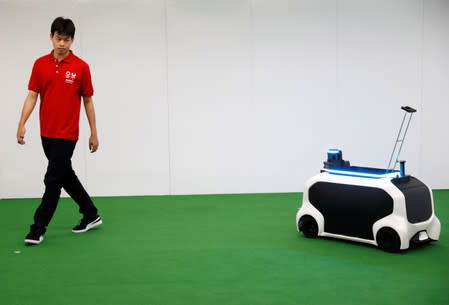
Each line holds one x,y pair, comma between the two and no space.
61,79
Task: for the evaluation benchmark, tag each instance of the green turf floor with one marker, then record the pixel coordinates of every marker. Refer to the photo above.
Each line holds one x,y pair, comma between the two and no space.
211,250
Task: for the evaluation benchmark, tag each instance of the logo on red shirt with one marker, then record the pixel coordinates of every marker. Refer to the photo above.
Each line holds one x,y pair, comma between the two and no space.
70,77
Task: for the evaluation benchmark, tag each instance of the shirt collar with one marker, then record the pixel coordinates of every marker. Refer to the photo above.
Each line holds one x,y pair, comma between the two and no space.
67,59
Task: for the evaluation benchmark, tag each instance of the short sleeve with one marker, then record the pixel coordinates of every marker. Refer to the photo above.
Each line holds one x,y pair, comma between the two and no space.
87,88
33,83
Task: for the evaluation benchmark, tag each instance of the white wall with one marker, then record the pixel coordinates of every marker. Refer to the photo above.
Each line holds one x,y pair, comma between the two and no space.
434,132
211,96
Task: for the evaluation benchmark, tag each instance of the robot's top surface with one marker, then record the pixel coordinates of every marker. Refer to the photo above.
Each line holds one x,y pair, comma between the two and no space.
336,165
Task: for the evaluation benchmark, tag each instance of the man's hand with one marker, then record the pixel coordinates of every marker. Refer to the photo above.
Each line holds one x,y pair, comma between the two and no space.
93,143
21,134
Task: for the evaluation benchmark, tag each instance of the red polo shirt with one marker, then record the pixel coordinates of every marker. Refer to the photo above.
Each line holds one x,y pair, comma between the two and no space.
60,86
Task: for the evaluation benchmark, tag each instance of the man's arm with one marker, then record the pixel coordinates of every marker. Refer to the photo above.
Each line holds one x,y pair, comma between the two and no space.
28,106
90,113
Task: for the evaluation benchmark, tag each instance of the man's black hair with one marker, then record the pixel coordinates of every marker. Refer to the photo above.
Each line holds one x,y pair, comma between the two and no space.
63,26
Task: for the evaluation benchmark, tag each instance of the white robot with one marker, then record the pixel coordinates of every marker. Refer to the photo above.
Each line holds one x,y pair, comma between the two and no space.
382,207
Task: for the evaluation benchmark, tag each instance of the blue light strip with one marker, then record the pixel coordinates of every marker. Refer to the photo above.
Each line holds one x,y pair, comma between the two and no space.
361,174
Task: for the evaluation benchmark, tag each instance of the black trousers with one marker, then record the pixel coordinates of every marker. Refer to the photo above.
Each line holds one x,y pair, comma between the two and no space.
59,175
